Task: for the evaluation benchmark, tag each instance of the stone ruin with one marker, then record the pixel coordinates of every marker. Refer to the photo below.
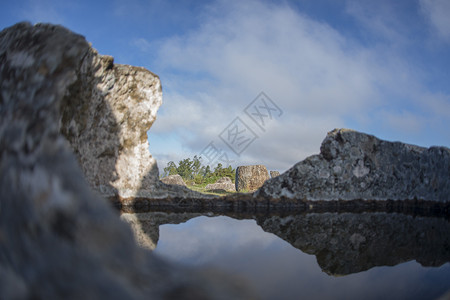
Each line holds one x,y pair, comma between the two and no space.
250,178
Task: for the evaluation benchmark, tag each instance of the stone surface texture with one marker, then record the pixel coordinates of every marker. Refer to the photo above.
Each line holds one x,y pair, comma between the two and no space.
58,239
222,184
250,178
274,174
105,116
353,165
174,180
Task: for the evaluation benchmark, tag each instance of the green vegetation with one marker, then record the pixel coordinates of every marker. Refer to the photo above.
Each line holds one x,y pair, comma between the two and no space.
201,189
193,172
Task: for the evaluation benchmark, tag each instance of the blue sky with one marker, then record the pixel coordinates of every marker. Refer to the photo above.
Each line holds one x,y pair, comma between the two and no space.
380,67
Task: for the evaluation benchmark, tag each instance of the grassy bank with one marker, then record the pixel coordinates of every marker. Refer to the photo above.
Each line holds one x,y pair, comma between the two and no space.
201,188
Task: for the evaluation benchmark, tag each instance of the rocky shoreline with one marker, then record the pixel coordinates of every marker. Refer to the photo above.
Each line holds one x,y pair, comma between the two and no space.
354,170
247,203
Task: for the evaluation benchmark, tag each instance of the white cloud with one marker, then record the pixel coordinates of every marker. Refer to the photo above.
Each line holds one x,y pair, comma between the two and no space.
438,12
202,239
305,66
142,44
319,77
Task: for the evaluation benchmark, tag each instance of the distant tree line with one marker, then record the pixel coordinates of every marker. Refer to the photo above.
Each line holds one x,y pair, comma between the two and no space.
191,170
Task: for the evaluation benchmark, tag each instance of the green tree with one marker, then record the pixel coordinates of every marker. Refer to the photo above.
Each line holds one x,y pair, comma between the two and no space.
185,168
220,171
196,166
192,169
171,169
207,171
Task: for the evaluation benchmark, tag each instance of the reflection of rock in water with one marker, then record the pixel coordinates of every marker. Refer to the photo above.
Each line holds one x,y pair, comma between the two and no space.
343,243
145,226
349,243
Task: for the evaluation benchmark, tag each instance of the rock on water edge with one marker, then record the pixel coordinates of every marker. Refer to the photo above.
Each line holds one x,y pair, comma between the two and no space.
357,166
57,238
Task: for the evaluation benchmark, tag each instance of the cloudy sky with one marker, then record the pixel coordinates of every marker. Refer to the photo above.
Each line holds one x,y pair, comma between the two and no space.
380,67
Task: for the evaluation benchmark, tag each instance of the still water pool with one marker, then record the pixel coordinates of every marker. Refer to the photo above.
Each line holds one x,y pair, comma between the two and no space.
319,256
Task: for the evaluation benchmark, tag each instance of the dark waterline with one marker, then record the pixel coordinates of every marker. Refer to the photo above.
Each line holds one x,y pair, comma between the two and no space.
319,256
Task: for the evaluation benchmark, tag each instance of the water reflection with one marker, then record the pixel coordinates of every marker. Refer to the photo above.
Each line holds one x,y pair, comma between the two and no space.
265,250
349,243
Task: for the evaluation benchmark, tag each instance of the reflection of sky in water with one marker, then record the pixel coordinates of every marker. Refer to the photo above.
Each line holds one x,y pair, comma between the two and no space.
280,271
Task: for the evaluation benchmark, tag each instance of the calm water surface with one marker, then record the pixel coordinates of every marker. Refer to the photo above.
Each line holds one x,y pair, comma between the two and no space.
318,256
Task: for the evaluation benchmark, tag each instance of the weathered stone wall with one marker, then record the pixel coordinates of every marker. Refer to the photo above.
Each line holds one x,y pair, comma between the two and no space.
250,178
353,165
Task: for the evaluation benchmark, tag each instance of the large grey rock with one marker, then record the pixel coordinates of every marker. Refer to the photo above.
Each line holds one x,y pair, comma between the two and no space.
250,178
105,115
222,184
57,238
174,180
353,165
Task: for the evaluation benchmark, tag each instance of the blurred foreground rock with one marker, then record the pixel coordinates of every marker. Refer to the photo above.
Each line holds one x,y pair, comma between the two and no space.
57,238
353,165
250,178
